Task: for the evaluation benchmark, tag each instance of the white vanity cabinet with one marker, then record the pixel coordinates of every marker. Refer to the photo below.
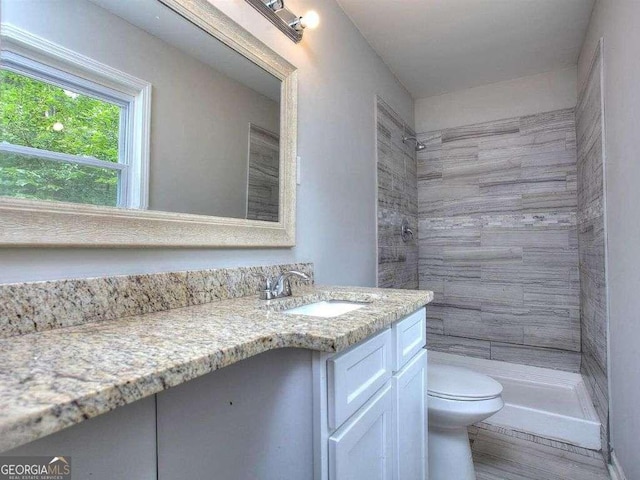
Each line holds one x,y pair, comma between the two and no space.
371,406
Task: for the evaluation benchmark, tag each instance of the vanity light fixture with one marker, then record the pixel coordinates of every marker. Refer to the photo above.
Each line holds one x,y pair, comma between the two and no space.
275,5
311,20
289,23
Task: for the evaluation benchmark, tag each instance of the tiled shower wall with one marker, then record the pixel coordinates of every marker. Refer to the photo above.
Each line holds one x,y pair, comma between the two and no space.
263,175
498,241
591,241
397,200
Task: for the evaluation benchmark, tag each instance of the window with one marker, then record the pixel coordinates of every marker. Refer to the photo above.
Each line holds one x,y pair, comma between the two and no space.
72,137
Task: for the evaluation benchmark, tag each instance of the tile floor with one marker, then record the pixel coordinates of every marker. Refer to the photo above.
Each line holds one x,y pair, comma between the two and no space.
510,456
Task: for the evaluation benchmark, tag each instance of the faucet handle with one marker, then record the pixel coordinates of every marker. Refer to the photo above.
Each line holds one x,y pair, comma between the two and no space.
267,291
286,287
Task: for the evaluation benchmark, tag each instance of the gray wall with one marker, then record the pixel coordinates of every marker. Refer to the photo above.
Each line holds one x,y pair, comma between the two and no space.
543,92
397,201
592,243
618,21
498,242
199,117
336,216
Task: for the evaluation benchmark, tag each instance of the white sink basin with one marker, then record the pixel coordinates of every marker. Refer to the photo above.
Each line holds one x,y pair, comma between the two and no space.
326,309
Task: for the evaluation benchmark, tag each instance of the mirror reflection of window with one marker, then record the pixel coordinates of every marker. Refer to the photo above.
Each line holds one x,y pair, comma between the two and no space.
62,137
263,173
204,96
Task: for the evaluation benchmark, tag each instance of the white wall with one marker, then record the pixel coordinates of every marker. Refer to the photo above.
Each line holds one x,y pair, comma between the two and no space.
199,117
618,21
339,76
513,98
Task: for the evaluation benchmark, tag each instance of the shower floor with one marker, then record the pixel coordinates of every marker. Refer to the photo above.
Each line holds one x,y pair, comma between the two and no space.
548,403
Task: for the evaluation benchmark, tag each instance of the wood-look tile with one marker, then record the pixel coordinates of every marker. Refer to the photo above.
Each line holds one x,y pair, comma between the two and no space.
536,356
524,185
566,201
497,222
548,173
435,326
524,237
484,170
477,256
548,296
550,256
397,201
572,140
498,456
505,432
591,241
429,164
541,326
449,271
435,284
459,346
474,325
430,139
430,191
565,337
488,129
547,275
547,220
550,121
545,317
547,144
459,153
482,204
561,157
434,237
480,291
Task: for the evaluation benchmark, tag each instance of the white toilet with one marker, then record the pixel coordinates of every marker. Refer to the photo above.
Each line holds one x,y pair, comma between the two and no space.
458,397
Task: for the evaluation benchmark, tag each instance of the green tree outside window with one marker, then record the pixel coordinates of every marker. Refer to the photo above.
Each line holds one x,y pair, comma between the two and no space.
44,116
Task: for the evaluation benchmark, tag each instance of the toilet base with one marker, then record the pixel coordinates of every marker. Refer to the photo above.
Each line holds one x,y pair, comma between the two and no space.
450,454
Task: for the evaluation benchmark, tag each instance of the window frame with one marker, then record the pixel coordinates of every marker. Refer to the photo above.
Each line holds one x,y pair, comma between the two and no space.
37,58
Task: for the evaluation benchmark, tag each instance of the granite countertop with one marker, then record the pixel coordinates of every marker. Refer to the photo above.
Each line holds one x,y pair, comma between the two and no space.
54,379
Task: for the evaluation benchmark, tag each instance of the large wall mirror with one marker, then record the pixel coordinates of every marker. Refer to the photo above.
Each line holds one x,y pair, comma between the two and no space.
147,122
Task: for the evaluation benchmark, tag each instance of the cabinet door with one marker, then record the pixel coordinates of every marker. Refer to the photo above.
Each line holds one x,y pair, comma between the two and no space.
410,414
363,447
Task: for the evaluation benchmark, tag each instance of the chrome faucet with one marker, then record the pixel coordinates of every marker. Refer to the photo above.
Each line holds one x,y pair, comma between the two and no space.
280,287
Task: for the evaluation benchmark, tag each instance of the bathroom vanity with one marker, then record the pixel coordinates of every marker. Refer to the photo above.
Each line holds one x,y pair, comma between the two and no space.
233,388
360,413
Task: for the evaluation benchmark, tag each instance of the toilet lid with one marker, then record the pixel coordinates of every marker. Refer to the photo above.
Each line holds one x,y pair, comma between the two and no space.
458,383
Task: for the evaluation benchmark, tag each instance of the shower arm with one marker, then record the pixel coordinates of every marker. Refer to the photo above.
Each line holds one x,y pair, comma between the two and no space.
419,144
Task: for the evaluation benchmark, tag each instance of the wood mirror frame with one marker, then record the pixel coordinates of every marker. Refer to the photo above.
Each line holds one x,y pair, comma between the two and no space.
42,223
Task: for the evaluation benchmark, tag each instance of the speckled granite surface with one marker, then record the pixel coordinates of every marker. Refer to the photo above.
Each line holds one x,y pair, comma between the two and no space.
39,306
54,379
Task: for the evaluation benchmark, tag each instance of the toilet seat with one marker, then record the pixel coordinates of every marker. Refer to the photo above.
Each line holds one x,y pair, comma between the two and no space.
458,383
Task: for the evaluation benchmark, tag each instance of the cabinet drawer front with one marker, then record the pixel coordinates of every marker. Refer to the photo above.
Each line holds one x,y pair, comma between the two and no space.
409,336
363,447
355,375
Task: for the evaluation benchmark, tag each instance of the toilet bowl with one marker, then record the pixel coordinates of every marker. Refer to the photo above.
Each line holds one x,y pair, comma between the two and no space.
457,397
